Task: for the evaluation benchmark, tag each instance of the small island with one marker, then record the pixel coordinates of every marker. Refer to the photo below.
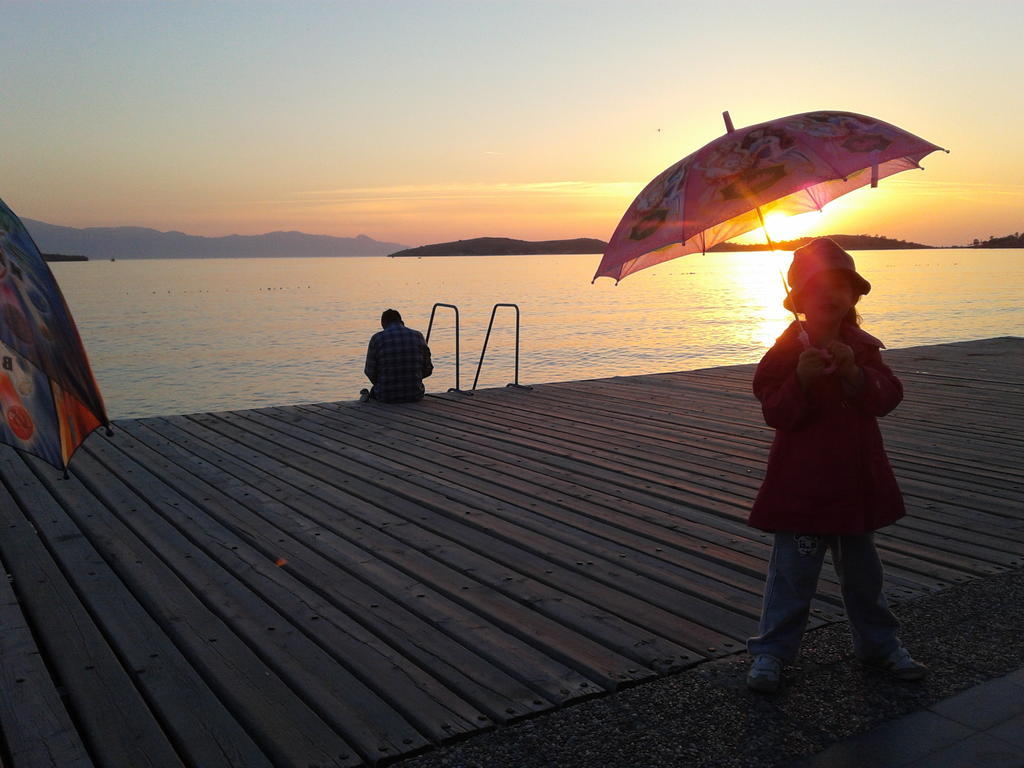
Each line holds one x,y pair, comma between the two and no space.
504,246
63,257
846,242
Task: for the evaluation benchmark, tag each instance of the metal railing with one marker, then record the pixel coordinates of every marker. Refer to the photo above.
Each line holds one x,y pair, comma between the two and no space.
487,338
430,327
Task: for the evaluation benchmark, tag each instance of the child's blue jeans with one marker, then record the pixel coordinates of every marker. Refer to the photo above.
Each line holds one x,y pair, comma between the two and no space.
793,579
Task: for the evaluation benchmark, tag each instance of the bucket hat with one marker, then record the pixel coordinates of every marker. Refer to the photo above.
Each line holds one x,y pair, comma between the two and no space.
821,255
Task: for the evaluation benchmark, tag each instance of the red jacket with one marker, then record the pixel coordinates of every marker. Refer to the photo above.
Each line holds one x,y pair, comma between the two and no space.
827,469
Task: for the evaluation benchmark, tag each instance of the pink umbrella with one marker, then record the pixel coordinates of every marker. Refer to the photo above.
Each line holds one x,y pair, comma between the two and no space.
790,165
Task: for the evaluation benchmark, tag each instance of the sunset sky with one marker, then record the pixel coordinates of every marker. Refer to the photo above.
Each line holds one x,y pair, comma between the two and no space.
419,122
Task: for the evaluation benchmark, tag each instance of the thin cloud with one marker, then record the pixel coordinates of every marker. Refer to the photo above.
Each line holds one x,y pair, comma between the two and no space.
972,189
438,192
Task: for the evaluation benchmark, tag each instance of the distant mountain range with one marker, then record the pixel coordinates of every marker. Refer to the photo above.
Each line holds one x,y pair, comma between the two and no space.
505,246
142,243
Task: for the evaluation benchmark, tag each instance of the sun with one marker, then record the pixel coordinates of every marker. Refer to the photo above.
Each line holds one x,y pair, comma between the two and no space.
783,227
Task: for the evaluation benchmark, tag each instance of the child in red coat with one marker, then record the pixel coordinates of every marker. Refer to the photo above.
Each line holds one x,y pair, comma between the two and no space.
828,484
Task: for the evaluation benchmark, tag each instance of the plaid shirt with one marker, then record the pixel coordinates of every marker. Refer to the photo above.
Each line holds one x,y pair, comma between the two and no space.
397,361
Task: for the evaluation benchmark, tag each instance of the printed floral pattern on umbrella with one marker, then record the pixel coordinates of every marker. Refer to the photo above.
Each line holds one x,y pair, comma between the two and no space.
790,165
49,400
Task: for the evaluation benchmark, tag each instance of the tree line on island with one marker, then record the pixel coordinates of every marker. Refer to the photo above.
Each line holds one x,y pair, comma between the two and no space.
504,246
1016,240
847,242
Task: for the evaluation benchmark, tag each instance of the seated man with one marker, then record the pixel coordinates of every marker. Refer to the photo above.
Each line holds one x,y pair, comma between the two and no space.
397,361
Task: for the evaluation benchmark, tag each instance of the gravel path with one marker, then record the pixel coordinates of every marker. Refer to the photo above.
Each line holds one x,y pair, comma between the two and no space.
705,717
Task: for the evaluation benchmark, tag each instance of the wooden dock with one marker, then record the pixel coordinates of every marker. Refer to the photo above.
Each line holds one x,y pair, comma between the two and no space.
344,584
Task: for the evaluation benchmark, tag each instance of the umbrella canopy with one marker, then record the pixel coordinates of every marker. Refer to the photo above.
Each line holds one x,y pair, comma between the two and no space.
790,165
49,401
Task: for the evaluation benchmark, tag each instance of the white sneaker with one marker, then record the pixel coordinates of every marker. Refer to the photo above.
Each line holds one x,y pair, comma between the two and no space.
765,674
900,665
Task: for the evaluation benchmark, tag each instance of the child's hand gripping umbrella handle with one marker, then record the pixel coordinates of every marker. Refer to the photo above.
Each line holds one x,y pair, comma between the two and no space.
805,340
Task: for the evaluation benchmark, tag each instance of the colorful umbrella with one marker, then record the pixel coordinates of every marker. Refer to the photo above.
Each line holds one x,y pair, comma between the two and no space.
790,165
49,401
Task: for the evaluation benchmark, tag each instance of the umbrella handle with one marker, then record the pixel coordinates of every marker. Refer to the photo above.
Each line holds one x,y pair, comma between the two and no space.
805,340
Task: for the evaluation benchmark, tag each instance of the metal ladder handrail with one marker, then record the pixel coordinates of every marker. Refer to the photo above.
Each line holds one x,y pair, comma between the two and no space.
487,338
430,327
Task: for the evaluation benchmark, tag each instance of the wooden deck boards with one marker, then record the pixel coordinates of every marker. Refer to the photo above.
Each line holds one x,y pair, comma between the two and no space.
344,584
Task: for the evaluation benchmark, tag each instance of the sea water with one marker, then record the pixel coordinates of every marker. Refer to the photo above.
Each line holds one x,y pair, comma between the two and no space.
188,335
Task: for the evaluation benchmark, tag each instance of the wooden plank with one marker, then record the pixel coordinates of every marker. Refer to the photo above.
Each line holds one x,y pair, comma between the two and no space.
742,421
898,580
602,452
519,605
287,731
920,398
577,415
616,464
668,453
340,699
298,585
579,521
997,360
345,532
644,461
934,571
355,577
987,403
993,481
609,517
743,424
929,491
943,540
116,721
605,582
205,732
471,538
985,540
35,727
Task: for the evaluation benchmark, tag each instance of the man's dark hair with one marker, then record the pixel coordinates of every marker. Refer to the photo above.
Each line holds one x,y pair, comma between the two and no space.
389,316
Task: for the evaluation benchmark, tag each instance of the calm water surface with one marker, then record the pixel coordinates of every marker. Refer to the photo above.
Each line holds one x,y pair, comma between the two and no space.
180,336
